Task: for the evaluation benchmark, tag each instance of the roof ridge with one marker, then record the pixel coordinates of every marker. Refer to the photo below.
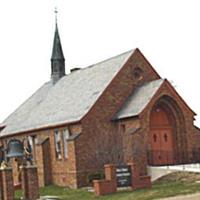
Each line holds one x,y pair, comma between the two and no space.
97,63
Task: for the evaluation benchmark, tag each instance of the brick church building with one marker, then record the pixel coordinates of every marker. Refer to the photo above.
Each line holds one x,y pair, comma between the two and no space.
115,111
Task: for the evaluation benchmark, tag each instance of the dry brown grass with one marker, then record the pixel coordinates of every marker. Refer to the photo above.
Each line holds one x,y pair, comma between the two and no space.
188,177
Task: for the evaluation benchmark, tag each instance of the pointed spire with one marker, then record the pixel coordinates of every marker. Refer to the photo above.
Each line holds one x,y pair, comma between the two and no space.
57,52
57,57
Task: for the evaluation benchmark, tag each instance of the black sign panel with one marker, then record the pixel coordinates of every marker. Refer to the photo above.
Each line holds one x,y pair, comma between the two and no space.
123,174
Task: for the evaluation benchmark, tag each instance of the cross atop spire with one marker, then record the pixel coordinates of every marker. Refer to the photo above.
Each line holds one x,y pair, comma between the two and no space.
56,14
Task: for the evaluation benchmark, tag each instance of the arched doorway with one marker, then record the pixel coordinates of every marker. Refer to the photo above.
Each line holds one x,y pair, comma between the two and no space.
161,136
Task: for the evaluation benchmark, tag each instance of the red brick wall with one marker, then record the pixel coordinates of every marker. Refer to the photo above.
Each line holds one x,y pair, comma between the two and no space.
63,170
97,144
7,184
105,141
109,184
30,184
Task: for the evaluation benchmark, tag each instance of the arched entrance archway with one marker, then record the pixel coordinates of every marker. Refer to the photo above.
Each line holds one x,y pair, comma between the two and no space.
161,135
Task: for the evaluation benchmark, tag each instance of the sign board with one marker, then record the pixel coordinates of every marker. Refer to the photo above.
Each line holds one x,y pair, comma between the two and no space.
123,175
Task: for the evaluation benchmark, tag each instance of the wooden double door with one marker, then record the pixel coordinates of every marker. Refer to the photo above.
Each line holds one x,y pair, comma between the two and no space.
161,137
162,146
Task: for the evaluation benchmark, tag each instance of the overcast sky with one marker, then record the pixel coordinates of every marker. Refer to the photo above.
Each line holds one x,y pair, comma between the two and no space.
167,32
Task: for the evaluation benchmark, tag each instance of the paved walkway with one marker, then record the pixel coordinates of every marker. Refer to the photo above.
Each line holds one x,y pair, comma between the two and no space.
185,197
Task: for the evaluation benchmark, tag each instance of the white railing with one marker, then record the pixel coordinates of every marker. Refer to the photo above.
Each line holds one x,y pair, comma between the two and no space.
158,171
186,167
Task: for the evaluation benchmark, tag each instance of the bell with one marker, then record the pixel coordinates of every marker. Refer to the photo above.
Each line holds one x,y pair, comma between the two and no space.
15,149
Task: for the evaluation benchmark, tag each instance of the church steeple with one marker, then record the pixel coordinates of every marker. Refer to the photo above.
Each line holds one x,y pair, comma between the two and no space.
57,58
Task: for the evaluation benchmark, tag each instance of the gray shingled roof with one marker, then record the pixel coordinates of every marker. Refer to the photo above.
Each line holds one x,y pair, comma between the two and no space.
136,103
66,101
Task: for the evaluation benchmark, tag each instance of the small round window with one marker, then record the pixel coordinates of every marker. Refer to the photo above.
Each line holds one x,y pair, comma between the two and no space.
138,73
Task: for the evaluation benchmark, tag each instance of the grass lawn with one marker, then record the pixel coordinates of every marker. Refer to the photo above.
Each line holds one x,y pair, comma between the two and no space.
160,189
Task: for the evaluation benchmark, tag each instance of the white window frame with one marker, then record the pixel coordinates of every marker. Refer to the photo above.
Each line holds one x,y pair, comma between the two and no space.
58,148
66,135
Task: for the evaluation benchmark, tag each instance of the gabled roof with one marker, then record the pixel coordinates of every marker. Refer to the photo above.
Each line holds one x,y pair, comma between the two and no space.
68,100
139,99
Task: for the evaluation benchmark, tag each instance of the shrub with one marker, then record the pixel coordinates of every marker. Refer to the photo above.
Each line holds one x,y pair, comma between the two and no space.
98,175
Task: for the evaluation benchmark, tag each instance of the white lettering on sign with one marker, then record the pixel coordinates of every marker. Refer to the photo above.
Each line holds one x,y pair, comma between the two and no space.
122,170
123,181
124,174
